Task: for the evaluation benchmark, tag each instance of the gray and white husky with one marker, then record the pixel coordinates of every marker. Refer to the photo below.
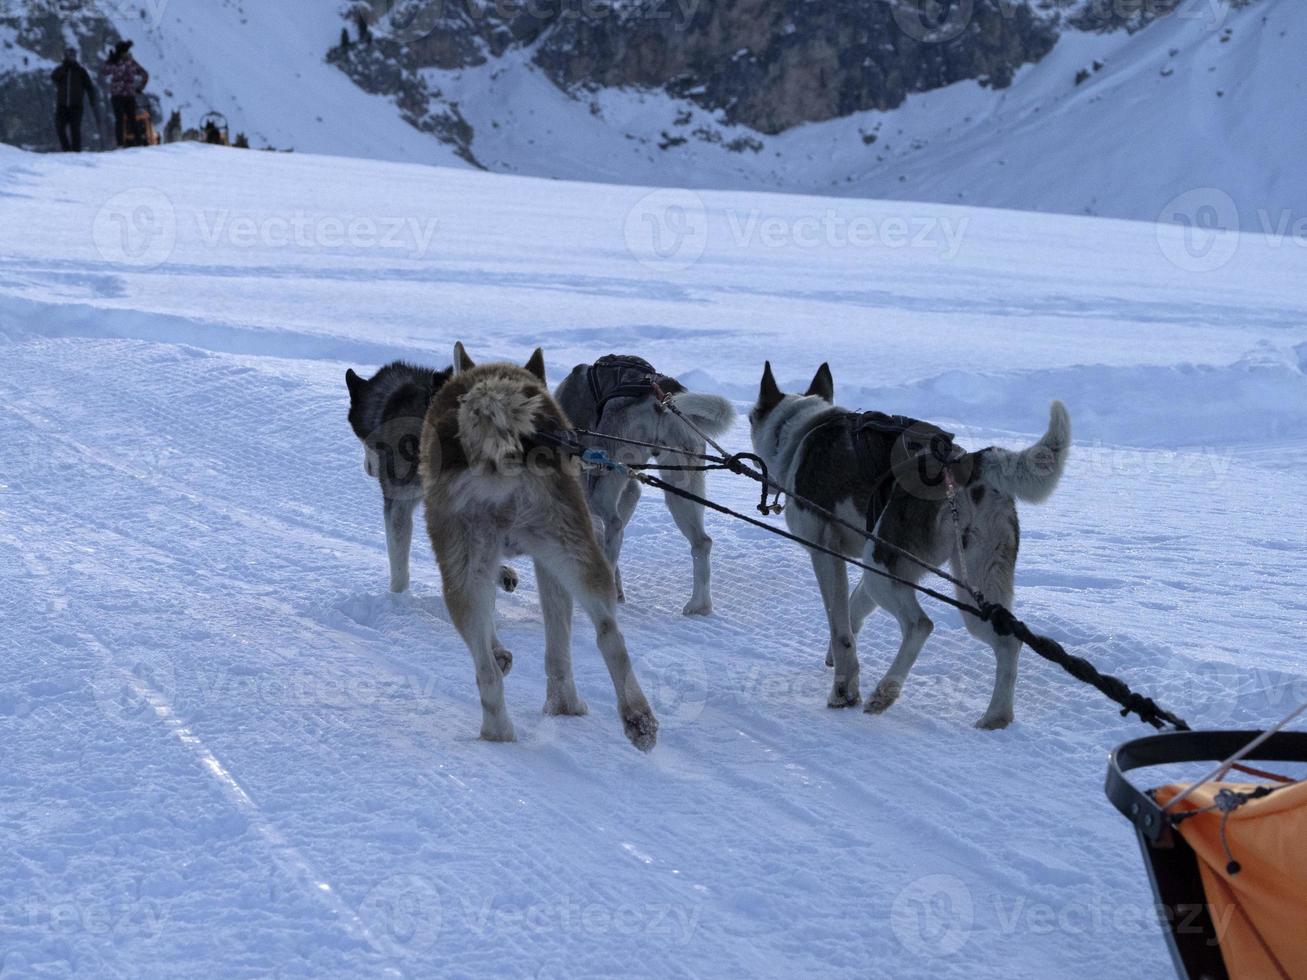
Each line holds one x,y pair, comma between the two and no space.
493,486
386,413
846,463
615,396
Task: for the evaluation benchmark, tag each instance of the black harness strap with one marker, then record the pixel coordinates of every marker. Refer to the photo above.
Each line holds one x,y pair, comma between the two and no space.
624,376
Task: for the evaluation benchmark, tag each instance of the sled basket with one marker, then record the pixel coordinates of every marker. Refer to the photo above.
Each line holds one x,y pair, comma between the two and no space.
213,129
1228,862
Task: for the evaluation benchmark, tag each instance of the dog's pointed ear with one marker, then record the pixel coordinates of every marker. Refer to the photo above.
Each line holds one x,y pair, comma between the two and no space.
461,361
823,385
354,383
536,365
769,393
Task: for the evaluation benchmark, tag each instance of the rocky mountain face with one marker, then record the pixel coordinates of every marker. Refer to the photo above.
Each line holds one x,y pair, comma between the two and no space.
766,64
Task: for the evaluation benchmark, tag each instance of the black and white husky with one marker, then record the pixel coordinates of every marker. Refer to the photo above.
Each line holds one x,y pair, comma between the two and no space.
386,413
615,396
851,464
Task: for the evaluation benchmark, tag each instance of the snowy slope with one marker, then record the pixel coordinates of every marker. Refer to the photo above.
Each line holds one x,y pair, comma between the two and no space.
227,750
1205,98
262,65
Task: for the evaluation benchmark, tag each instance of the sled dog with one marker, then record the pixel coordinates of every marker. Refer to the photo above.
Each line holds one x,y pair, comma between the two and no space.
615,396
891,473
495,486
386,413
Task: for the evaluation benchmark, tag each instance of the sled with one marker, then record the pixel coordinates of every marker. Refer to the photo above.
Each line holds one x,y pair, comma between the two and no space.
213,129
1227,860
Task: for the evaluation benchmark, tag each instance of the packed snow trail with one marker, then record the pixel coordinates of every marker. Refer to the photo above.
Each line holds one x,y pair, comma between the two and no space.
227,749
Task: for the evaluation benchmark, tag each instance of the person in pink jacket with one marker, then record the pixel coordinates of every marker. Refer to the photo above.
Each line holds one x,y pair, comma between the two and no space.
125,80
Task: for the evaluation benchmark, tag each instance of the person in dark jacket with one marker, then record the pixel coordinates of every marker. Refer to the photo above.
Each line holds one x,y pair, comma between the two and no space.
72,85
126,80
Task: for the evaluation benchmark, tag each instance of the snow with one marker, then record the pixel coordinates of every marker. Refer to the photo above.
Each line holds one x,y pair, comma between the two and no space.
227,750
1202,101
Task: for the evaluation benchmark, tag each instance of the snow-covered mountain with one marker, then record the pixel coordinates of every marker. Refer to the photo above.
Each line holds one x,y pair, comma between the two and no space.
1063,108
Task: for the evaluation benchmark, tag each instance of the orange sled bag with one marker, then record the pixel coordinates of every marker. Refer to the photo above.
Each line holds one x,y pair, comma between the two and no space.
1228,862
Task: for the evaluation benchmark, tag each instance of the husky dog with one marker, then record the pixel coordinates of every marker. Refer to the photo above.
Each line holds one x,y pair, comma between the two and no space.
386,413
493,486
615,396
822,453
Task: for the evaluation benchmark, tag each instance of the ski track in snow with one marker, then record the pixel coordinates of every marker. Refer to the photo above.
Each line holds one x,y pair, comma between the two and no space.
226,749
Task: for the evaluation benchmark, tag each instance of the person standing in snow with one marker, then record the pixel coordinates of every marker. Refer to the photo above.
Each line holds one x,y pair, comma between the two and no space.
72,84
126,80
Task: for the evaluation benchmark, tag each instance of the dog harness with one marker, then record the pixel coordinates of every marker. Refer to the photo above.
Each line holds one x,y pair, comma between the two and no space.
624,376
898,453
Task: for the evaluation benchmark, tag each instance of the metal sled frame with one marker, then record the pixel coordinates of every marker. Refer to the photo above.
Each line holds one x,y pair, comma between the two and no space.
1171,862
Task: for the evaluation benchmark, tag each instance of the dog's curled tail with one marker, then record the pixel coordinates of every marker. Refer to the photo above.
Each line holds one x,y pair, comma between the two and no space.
494,416
1031,474
711,413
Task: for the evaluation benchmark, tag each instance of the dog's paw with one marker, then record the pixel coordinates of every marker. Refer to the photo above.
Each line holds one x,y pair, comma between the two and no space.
507,578
843,695
565,703
641,727
697,607
399,583
886,693
498,732
505,660
994,720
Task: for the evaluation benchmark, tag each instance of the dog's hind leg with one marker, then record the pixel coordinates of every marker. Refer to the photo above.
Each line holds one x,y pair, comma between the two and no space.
688,516
556,604
399,539
914,625
468,570
584,573
991,549
833,579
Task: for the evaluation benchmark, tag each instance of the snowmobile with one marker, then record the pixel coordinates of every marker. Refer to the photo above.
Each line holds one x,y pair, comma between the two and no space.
1227,860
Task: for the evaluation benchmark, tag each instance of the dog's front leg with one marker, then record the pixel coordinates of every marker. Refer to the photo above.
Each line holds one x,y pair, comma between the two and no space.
612,500
560,689
399,539
833,579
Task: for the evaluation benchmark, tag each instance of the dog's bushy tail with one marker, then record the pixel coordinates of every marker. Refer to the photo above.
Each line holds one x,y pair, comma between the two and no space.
494,416
1031,474
712,413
